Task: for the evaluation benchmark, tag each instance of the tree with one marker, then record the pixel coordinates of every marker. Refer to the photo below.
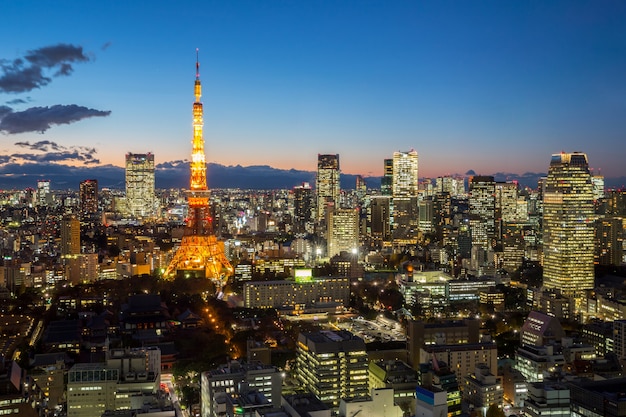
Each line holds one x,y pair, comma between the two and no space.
494,411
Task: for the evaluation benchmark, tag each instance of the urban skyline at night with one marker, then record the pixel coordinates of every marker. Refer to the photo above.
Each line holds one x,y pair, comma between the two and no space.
488,88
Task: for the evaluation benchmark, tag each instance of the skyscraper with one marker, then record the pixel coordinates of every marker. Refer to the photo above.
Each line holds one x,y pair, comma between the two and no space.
302,209
404,189
43,196
482,207
379,217
70,236
343,231
386,182
88,192
568,218
327,186
405,174
140,197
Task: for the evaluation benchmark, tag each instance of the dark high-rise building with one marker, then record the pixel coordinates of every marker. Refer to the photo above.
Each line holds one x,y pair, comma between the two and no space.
609,233
88,199
386,182
303,208
379,218
568,219
327,185
482,208
616,203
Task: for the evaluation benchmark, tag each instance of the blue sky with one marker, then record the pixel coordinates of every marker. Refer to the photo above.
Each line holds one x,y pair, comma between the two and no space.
488,86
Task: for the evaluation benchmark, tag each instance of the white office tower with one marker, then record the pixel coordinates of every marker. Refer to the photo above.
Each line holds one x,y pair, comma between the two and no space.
140,196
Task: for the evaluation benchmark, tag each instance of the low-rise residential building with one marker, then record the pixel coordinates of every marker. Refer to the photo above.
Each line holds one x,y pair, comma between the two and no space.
482,389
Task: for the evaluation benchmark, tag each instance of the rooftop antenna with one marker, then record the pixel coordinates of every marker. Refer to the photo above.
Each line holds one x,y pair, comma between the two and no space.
197,66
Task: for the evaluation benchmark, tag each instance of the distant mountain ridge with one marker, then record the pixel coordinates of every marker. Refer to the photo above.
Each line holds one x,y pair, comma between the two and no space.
176,175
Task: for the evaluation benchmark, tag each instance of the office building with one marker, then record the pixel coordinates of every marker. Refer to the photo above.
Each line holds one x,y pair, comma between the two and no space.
120,383
303,209
343,231
482,209
598,187
439,375
405,174
70,236
535,362
609,241
234,378
483,389
327,187
539,329
598,398
332,365
422,333
398,376
299,295
547,398
514,385
379,218
43,196
386,182
619,339
462,358
88,194
453,186
568,218
405,194
616,203
379,404
140,197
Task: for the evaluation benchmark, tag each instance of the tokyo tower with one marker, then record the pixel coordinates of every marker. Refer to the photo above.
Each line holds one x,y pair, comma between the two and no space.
200,253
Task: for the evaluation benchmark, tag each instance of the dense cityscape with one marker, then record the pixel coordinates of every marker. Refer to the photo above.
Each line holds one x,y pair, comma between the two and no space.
423,297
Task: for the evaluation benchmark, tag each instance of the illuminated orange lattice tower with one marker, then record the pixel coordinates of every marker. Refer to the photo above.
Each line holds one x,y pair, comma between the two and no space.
200,253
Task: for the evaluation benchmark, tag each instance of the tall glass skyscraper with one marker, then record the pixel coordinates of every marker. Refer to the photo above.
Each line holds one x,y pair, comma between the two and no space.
568,219
327,186
140,197
404,190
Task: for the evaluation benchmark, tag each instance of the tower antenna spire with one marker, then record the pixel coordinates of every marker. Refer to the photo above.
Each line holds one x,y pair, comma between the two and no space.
197,65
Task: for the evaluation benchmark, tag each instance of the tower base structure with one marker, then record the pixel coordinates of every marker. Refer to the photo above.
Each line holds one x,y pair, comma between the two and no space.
200,256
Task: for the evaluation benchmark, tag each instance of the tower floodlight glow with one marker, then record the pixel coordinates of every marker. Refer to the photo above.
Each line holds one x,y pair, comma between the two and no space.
200,253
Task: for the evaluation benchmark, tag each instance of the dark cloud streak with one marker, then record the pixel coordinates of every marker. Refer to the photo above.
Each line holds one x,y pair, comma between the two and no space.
17,76
40,119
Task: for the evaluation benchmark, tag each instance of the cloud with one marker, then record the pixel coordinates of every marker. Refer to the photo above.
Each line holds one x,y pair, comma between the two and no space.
40,119
4,110
31,71
42,145
17,101
55,157
49,152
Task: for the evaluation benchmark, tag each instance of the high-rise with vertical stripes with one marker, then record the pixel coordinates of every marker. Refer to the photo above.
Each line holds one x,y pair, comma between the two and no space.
568,219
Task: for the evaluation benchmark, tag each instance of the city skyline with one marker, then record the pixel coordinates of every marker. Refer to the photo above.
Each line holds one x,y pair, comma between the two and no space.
483,87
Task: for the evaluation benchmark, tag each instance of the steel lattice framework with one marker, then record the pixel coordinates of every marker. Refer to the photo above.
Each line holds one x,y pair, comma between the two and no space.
200,251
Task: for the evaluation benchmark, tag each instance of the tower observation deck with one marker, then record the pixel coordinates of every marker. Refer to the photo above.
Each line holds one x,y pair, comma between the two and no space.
200,253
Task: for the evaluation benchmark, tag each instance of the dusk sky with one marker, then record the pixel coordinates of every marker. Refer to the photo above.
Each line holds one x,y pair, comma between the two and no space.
489,86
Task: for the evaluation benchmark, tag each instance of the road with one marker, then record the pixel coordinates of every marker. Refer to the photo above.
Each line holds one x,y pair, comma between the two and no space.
167,380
